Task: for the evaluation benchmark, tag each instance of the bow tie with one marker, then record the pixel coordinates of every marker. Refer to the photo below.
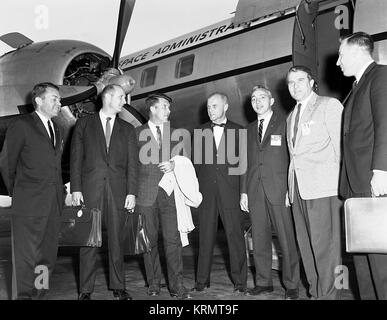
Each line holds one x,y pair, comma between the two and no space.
217,125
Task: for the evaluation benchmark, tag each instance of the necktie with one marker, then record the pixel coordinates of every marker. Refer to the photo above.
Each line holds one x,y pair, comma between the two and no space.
108,132
213,124
260,130
296,123
51,133
354,84
159,138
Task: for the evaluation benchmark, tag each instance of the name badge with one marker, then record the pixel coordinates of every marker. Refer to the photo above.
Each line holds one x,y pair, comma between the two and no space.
275,140
305,129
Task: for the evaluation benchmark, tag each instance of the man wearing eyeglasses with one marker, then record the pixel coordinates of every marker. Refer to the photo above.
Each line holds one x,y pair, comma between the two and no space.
31,167
264,195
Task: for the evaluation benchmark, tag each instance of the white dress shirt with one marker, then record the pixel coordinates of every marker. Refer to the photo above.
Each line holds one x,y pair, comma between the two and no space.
218,132
153,129
45,120
103,117
266,119
304,103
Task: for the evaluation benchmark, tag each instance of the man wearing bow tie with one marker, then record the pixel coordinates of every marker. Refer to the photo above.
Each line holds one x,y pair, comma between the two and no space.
220,191
264,195
313,135
364,167
33,148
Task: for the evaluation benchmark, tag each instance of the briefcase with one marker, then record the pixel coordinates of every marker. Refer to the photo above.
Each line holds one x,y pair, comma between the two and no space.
249,246
80,227
136,240
366,225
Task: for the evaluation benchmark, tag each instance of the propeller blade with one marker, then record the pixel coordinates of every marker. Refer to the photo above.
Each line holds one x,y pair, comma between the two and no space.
124,15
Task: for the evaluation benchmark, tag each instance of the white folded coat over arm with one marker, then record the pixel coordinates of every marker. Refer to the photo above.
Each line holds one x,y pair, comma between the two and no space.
184,183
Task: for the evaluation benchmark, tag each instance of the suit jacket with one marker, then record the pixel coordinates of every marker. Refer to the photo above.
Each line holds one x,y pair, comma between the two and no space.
32,166
214,177
267,162
316,157
365,131
91,166
149,158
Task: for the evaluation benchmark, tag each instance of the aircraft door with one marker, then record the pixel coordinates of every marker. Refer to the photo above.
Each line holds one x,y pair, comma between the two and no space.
370,17
304,36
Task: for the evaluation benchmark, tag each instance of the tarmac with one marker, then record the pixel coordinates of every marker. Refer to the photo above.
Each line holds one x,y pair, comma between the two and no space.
64,280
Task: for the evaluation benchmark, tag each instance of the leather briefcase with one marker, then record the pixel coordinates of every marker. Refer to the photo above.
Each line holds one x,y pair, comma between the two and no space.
366,225
135,238
80,227
249,246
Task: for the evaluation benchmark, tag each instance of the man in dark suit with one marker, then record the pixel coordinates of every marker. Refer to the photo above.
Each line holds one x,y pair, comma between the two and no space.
103,174
32,170
219,186
156,148
364,166
264,195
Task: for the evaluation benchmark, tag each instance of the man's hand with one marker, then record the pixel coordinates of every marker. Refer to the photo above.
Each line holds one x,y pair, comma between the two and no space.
244,202
379,183
167,166
287,200
130,202
77,198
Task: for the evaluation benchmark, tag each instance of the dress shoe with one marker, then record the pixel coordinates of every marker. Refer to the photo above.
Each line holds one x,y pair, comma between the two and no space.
257,290
240,289
291,294
181,294
84,296
153,292
121,294
200,287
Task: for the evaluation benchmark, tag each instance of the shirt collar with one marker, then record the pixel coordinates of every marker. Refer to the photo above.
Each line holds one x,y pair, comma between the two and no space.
266,116
362,70
103,115
153,126
224,121
304,102
42,117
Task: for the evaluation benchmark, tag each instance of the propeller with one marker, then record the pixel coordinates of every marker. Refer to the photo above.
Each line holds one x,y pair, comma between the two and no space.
124,16
114,75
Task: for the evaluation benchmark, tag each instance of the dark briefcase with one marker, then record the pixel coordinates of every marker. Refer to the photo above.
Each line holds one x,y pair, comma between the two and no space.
80,227
135,238
249,246
366,225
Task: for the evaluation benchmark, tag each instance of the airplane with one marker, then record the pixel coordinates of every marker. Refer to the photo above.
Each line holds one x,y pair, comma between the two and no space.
256,46
81,70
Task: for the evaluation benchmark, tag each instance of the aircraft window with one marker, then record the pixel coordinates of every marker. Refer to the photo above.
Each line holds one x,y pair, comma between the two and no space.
148,77
184,66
